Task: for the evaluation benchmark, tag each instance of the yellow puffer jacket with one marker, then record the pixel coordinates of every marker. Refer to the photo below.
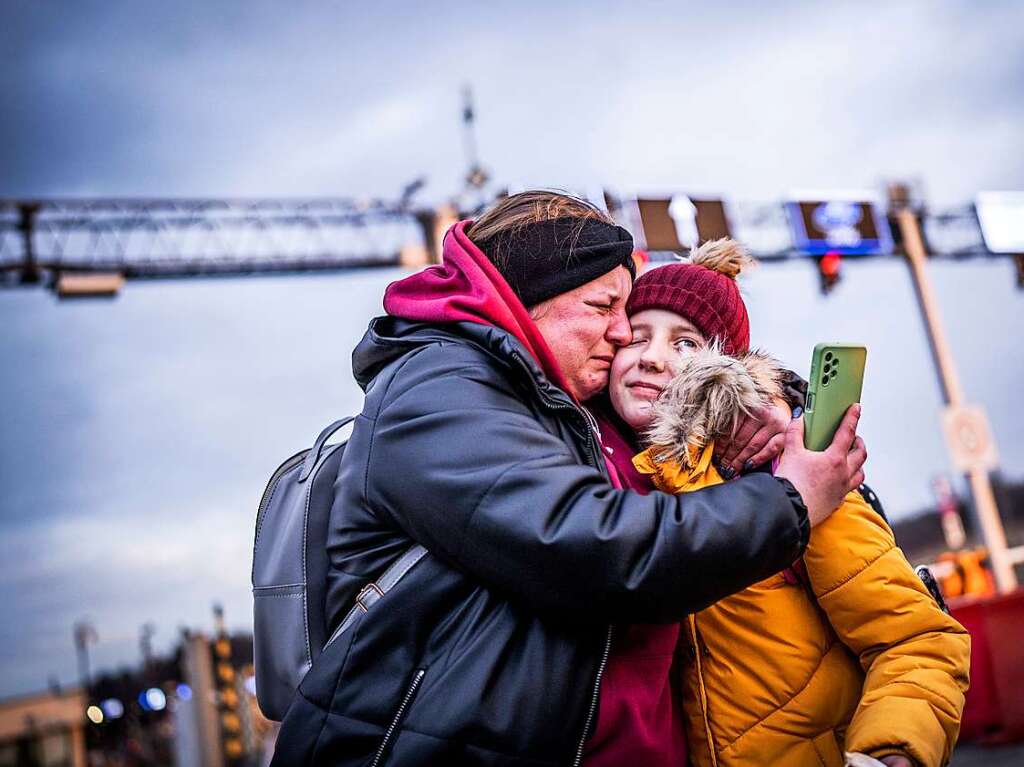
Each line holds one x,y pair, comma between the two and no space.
778,675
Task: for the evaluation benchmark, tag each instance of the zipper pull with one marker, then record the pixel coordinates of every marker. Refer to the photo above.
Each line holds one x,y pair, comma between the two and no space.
592,421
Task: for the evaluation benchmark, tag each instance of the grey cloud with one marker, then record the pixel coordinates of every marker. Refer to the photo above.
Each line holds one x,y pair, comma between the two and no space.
140,431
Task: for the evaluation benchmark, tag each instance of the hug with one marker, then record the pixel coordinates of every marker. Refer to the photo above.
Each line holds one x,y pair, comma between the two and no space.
631,556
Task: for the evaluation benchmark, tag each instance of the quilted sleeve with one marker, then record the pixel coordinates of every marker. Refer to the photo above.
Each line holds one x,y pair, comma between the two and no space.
915,657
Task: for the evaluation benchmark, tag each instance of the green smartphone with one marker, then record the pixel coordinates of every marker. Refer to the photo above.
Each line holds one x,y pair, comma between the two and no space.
837,377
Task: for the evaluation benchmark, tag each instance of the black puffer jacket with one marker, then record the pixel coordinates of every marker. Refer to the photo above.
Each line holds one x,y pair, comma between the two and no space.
490,650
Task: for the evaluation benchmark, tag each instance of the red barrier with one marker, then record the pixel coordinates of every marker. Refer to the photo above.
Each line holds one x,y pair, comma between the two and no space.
995,702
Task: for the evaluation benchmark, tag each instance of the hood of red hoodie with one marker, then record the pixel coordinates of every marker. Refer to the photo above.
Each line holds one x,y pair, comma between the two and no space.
466,287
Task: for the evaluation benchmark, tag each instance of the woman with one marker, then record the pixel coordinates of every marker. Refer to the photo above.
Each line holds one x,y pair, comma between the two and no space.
843,651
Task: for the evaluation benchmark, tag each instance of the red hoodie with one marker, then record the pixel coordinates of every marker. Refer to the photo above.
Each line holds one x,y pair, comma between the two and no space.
640,720
467,287
638,715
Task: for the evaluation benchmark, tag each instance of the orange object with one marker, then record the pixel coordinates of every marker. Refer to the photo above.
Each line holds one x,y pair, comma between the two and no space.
978,580
953,583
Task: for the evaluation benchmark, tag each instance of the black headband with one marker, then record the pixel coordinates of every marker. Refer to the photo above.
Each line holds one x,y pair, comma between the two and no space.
542,260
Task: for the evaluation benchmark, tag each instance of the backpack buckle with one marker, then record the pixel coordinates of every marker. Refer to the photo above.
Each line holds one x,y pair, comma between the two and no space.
369,594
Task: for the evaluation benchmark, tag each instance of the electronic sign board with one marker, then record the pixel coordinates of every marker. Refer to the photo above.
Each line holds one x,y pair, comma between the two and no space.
846,227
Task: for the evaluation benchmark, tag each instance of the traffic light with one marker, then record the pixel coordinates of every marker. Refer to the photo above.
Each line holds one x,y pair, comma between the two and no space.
829,266
227,697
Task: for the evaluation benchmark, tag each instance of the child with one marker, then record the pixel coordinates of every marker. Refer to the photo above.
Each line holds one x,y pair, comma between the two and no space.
844,651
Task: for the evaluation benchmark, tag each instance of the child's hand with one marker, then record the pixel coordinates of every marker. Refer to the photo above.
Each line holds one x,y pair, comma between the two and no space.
863,760
896,761
758,438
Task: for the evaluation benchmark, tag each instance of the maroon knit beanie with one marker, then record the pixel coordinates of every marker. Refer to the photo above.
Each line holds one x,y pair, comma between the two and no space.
704,291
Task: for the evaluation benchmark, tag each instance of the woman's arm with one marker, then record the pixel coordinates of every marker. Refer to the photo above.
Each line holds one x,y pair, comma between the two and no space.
463,465
915,656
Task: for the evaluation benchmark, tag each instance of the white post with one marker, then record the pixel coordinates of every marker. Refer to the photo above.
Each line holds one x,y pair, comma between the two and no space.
981,485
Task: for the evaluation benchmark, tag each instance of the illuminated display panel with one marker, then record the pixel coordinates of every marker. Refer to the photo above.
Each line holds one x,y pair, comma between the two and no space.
846,227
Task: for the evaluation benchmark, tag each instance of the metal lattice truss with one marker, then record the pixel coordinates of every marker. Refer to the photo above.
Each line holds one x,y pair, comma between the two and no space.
153,238
141,238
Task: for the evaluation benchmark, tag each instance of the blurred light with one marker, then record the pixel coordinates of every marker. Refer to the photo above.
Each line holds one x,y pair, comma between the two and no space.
184,692
95,714
830,264
113,708
142,701
233,748
156,699
225,672
250,684
230,722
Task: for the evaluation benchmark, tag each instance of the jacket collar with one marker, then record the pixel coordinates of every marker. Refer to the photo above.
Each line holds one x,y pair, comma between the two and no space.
388,338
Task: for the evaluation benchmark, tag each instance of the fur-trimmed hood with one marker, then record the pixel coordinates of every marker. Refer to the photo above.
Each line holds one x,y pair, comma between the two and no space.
706,398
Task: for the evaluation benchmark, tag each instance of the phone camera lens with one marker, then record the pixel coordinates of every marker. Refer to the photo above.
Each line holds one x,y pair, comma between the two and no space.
828,356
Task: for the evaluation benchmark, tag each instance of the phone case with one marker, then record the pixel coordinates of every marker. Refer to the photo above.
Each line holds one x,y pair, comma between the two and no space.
837,377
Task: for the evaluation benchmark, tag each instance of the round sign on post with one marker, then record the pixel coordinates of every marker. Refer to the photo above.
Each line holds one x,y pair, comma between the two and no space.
969,438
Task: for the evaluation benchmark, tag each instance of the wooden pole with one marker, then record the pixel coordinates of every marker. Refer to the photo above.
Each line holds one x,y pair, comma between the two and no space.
981,485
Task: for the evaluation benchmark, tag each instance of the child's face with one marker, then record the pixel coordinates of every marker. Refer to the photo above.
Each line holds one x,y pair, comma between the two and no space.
643,368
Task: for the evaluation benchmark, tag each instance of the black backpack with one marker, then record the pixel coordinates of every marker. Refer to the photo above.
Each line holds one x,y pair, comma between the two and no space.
289,572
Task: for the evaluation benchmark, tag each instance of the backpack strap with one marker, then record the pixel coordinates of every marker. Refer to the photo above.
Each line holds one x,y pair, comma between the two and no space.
871,497
374,590
314,454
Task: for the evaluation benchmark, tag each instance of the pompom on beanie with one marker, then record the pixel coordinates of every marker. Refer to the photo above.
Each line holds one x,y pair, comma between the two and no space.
704,291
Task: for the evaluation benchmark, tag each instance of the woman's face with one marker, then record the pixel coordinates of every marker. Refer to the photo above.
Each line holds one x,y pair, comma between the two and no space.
643,368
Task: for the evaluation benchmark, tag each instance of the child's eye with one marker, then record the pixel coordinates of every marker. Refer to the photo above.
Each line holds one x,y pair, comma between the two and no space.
686,343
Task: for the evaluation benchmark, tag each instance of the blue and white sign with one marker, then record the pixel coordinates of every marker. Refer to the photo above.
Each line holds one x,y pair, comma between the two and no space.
846,227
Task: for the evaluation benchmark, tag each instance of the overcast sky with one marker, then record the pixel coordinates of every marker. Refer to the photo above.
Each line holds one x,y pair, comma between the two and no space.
746,98
137,434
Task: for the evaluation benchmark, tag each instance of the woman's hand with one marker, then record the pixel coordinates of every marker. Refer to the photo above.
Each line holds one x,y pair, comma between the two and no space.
824,478
758,439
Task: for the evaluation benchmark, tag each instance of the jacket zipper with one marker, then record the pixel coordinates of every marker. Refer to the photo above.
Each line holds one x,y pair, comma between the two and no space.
594,697
597,461
592,421
396,720
702,690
